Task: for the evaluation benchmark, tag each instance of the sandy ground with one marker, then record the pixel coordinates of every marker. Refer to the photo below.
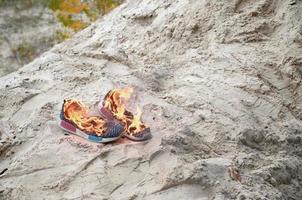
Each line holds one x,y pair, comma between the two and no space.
219,83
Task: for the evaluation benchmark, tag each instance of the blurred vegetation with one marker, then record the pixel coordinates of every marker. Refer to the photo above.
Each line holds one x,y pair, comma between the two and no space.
105,6
72,14
77,14
24,52
67,11
61,36
23,4
31,27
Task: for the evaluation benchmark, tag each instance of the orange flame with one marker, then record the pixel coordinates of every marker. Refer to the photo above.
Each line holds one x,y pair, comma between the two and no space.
77,112
115,102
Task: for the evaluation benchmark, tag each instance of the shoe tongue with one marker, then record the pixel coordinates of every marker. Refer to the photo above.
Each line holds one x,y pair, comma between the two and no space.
93,113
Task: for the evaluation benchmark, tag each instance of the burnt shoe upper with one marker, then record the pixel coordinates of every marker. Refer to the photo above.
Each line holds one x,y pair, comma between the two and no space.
142,135
113,128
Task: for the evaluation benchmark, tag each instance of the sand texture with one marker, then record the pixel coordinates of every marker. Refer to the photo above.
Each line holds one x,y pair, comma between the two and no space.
219,83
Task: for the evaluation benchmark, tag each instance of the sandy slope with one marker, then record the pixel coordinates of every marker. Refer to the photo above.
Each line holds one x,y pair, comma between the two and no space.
219,83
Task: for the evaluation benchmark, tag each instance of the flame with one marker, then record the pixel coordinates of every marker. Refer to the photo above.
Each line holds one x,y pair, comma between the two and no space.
77,112
136,125
115,101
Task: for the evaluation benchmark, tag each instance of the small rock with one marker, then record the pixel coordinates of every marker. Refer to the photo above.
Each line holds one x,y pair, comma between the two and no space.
252,138
234,174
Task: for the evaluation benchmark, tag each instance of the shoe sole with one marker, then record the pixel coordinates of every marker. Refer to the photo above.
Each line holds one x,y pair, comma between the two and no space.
73,130
146,136
130,137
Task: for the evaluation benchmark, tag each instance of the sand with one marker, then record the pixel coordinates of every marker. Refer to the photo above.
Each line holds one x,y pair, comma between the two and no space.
220,86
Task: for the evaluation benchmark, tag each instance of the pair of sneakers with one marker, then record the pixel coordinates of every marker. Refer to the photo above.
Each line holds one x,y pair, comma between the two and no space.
112,122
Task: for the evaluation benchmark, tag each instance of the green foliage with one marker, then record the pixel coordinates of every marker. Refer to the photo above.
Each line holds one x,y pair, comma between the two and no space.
54,5
61,36
67,12
71,13
104,6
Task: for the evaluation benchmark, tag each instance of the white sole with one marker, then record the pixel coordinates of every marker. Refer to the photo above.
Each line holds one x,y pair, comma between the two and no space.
90,138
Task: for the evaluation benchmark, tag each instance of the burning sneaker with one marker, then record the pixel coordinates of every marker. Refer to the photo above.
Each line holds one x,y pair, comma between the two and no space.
113,107
74,119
